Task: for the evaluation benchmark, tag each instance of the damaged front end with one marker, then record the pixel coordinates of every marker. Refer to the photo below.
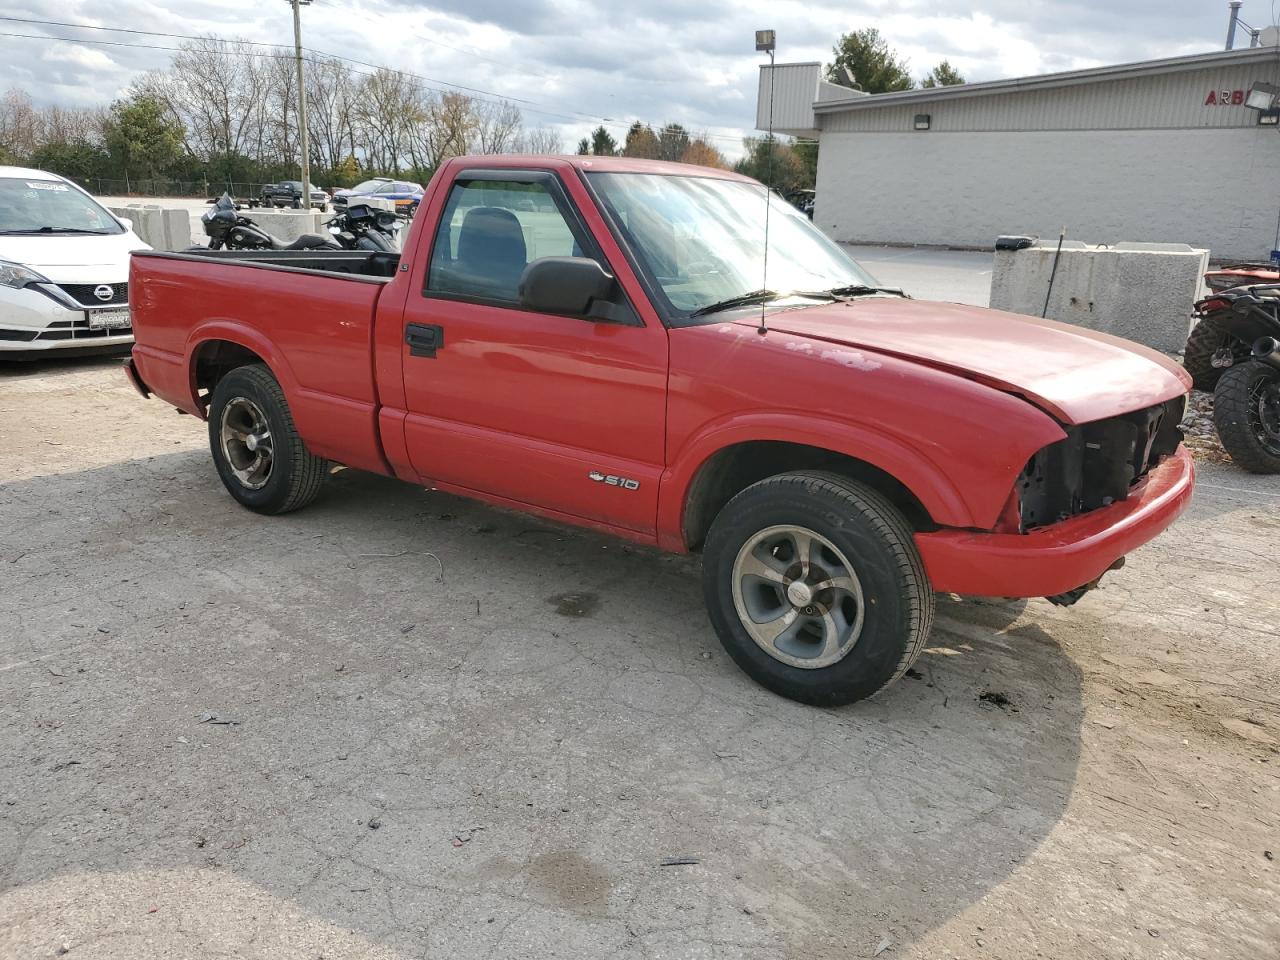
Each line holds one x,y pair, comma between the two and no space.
1095,465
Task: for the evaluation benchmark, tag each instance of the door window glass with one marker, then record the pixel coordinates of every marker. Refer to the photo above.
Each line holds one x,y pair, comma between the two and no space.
488,234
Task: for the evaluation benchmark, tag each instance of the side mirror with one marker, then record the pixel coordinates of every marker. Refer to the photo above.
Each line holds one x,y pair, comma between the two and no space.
125,222
576,286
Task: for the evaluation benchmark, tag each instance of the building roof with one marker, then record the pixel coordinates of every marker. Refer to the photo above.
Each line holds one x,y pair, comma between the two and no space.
1122,71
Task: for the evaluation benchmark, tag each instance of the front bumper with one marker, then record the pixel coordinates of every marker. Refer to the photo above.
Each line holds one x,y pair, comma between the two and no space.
45,319
1058,558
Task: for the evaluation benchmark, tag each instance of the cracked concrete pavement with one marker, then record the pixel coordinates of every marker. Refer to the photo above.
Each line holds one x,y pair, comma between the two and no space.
494,762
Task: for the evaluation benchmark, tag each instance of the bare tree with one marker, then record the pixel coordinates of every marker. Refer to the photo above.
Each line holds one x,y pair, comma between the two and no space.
498,126
19,123
541,140
330,97
389,106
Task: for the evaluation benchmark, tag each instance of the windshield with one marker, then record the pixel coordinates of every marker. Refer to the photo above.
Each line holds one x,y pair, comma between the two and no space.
702,239
50,206
368,186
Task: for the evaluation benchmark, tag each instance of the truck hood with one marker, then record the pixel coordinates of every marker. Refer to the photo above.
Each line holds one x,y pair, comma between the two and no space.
1075,375
53,253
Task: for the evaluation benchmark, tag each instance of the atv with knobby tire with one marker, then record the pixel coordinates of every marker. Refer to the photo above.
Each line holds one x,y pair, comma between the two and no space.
1235,351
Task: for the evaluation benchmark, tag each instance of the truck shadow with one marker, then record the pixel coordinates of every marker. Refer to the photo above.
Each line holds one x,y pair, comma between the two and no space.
460,730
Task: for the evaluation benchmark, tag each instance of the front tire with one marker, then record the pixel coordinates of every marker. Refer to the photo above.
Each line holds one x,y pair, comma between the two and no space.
1246,411
256,449
815,587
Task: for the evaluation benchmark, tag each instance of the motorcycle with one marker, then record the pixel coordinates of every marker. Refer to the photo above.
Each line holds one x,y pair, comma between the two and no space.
224,227
1245,359
361,227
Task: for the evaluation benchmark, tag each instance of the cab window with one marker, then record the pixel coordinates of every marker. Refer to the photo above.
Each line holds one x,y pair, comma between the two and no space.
489,232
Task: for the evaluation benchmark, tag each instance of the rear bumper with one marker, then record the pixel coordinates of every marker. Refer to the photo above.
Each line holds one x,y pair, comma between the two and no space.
135,378
1066,555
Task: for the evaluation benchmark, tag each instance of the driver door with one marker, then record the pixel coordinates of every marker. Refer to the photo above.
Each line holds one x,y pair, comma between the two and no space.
555,412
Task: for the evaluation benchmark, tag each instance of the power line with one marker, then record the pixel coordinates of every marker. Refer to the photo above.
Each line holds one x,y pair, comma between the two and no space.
572,116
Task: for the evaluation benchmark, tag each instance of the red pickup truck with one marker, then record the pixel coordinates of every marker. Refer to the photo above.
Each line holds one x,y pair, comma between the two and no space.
597,341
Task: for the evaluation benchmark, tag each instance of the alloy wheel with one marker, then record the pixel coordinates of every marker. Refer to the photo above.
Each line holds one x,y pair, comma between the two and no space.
798,596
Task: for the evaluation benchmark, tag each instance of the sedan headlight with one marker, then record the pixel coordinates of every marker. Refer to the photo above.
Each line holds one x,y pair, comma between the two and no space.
17,276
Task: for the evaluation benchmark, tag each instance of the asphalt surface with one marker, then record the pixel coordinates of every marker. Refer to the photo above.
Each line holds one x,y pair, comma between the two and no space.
398,724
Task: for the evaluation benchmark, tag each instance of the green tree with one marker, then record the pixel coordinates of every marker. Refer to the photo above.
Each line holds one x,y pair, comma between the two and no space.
673,142
773,162
584,147
943,75
602,143
876,67
807,151
79,159
142,137
641,142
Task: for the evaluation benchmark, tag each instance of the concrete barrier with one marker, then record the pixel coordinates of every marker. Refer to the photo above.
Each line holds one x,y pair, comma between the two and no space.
288,225
163,228
1140,291
377,203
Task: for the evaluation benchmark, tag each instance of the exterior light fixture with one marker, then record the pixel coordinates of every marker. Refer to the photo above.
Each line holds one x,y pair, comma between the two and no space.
1262,96
1269,118
922,121
766,41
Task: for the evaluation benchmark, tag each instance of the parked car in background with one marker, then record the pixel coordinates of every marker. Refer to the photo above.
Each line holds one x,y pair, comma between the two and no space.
64,268
288,193
404,194
586,339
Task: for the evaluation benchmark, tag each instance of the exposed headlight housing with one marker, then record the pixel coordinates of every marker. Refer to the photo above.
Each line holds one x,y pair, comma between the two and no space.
17,276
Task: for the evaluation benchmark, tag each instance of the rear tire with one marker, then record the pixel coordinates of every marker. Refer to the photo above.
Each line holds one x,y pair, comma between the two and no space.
1208,337
256,449
1246,411
836,558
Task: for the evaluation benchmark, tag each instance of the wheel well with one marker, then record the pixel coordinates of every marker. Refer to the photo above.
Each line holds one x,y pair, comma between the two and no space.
730,471
214,360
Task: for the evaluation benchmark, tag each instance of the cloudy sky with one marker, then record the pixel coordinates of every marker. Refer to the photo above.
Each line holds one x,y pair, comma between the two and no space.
571,63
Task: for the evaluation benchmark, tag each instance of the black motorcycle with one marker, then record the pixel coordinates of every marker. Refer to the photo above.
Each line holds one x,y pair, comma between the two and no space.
226,228
1245,358
361,227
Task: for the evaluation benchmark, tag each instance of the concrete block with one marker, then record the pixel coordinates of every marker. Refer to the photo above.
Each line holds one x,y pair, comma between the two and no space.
287,225
162,228
177,228
1140,291
378,203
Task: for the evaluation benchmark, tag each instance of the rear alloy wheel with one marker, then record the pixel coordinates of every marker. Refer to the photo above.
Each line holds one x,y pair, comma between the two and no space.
1246,411
259,456
815,588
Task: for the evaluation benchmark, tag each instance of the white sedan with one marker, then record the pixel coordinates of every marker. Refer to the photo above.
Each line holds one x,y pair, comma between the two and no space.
64,268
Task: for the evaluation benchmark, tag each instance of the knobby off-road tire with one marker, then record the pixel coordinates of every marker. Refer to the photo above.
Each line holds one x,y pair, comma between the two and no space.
1207,338
259,456
753,559
1246,411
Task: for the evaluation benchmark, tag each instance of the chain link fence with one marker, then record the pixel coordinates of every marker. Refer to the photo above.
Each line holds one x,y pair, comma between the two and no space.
164,187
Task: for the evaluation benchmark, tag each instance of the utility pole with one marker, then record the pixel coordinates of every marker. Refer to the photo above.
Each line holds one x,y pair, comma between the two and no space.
302,104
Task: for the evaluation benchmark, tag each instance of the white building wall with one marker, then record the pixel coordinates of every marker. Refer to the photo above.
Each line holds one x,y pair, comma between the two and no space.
1214,188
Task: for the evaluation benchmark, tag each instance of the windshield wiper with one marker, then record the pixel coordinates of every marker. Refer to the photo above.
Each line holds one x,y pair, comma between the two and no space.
744,300
96,233
863,290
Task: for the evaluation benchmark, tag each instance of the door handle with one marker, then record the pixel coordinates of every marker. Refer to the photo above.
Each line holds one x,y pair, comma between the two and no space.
424,339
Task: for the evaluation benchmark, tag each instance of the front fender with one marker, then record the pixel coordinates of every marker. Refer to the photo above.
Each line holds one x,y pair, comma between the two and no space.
926,480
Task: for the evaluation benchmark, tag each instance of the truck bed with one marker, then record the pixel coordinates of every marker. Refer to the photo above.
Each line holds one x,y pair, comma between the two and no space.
307,314
364,263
